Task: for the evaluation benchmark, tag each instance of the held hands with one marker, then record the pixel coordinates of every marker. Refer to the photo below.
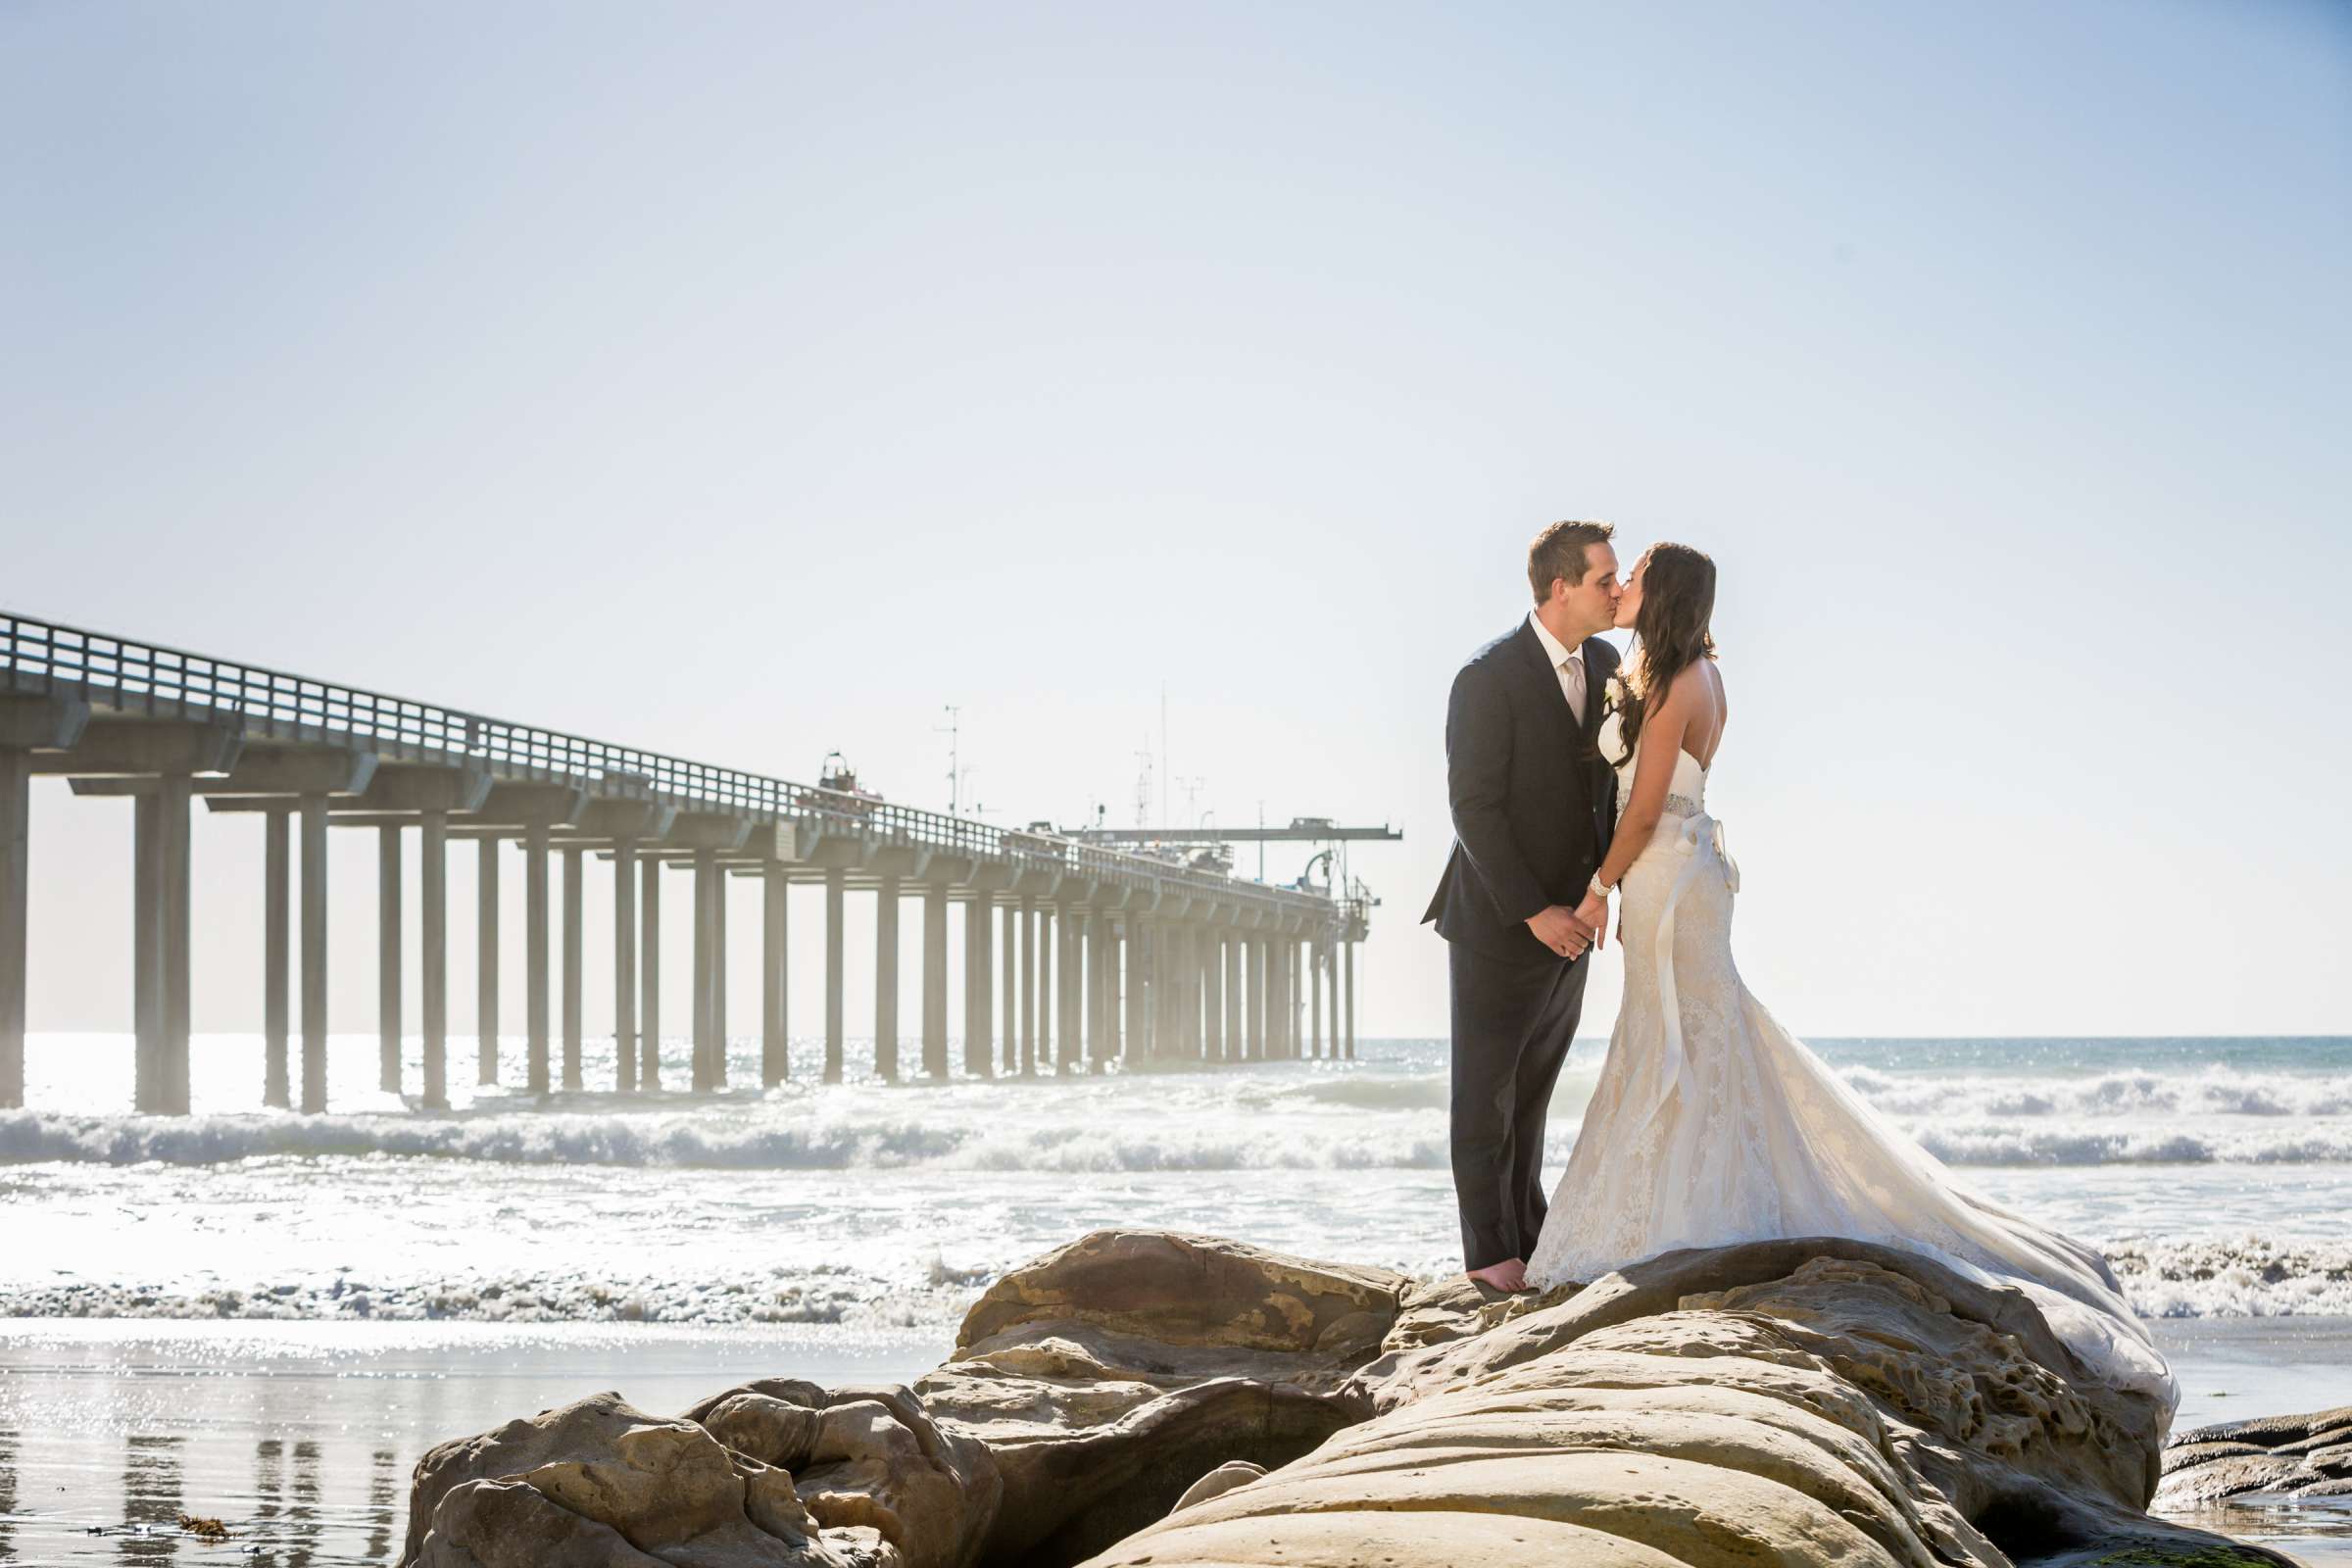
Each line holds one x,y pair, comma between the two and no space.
1593,915
1560,929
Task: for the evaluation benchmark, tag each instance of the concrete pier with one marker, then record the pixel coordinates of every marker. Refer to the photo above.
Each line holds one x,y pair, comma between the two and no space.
935,980
625,965
886,979
537,1076
313,817
277,940
705,967
1007,935
1028,983
648,976
485,987
718,981
575,980
15,893
775,914
1070,959
432,952
1314,991
836,941
387,958
1074,954
1350,1001
1236,1042
979,966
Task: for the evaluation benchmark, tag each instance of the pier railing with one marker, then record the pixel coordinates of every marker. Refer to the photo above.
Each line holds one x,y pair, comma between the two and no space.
38,657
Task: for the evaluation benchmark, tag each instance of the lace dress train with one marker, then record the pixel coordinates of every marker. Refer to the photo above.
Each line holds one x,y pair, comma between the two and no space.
1711,1124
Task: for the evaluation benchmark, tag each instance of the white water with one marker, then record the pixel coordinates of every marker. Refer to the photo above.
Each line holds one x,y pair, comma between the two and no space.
2215,1172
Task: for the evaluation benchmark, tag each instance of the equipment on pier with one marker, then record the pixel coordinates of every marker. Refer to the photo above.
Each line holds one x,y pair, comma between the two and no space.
837,790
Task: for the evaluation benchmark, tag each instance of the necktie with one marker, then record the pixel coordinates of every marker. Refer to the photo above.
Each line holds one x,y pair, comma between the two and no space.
1572,672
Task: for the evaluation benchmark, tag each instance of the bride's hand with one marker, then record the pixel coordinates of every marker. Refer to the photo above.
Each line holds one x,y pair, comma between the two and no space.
1594,912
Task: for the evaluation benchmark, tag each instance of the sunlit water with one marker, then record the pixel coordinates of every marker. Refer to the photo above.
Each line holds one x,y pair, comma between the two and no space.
343,1290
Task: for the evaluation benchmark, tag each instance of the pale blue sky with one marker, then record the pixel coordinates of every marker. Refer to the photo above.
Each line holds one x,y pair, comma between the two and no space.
751,381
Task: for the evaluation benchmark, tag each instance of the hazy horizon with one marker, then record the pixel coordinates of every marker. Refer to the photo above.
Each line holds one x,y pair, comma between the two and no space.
755,382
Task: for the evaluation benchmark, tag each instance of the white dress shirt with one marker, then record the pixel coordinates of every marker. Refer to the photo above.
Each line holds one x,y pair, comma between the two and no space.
1567,663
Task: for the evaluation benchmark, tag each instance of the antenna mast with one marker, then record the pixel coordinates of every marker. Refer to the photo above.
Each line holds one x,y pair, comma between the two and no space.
953,732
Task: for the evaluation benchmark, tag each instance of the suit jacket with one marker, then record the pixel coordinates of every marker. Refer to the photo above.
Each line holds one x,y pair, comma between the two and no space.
1534,803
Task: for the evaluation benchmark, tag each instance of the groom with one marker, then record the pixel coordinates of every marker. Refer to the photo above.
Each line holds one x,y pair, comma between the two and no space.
1532,805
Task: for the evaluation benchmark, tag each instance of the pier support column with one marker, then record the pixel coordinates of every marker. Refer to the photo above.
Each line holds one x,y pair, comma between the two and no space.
1028,1034
1139,992
1196,992
16,923
314,954
1213,994
1314,987
388,959
432,957
935,980
1064,924
1048,923
1096,959
775,913
705,934
277,945
836,946
485,982
534,953
146,953
1331,982
1254,954
574,961
648,976
719,977
1350,1001
1235,1046
1009,970
886,979
979,970
173,790
625,965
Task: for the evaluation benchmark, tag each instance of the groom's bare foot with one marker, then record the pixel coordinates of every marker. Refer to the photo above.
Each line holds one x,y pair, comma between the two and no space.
1508,1275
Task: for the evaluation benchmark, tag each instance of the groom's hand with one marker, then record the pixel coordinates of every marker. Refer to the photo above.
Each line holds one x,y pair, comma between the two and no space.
1558,929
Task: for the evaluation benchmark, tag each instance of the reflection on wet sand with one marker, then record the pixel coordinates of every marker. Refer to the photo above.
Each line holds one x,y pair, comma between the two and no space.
151,1499
288,1526
8,1497
383,1503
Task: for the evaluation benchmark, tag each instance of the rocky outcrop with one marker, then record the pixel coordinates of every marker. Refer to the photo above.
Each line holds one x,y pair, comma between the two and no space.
2271,1456
1141,1397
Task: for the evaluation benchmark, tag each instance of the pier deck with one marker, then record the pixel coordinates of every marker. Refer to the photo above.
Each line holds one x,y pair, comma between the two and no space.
1106,955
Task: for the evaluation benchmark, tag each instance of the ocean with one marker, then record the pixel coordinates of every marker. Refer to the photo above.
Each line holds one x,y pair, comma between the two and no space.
265,1317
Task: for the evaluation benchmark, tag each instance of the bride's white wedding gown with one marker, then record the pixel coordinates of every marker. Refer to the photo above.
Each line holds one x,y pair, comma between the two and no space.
1711,1124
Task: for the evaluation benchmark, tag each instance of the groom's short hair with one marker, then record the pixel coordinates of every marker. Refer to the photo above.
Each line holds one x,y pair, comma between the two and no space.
1559,552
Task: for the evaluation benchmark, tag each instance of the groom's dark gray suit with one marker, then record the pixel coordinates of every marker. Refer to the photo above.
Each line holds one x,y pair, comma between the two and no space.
1533,805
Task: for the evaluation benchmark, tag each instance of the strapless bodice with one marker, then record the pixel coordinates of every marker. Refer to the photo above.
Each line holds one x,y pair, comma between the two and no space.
1686,795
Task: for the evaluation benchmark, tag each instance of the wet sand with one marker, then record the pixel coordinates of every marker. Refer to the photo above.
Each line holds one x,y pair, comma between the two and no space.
300,1437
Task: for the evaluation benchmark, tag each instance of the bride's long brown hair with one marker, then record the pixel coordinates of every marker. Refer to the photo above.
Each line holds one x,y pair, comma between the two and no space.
1670,633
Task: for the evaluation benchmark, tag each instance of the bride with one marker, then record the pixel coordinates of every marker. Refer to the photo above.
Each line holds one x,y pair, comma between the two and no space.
1711,1124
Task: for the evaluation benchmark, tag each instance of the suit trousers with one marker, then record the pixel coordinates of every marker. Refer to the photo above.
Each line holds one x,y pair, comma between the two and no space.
1512,1022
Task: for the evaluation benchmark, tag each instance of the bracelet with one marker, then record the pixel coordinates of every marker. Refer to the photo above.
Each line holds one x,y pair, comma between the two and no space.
1597,888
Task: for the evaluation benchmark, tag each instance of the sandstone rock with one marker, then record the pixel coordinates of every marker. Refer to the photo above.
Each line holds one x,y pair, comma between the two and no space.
1195,1291
867,1457
1218,1482
1182,1401
657,1487
2284,1456
1828,1403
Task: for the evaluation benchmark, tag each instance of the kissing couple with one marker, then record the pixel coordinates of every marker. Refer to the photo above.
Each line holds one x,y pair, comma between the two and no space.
1579,781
